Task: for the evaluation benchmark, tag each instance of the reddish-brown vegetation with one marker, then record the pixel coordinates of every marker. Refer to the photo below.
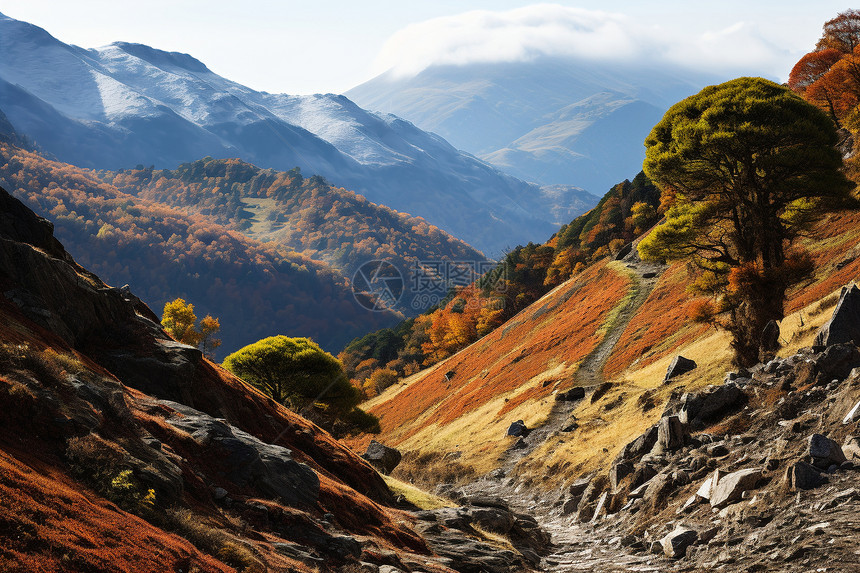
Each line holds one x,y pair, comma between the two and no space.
306,214
653,331
561,328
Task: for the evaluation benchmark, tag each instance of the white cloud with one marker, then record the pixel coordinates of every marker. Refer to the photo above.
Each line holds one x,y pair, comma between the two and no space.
549,29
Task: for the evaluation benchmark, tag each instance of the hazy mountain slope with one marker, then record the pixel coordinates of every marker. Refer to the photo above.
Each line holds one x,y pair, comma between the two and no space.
549,120
128,104
256,289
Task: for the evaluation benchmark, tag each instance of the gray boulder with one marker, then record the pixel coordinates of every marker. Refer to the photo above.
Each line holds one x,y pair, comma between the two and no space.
680,365
518,429
730,487
670,433
492,519
708,406
844,325
801,475
675,543
383,458
824,451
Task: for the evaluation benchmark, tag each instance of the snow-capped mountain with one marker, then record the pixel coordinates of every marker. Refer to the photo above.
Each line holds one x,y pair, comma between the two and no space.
551,120
127,104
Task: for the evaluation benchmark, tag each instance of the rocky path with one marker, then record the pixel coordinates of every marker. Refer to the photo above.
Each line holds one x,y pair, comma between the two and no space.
576,547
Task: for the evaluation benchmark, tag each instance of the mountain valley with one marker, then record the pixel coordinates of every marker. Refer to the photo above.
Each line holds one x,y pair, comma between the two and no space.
432,361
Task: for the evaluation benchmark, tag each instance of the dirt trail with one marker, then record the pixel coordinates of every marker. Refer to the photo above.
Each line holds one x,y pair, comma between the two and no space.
590,372
576,547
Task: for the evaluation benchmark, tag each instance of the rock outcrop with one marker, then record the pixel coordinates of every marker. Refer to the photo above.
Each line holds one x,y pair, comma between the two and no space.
679,366
382,457
844,325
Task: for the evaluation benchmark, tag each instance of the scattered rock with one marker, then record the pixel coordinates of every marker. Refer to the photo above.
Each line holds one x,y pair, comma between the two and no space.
600,391
680,365
670,433
851,448
571,395
704,491
675,544
601,505
824,451
617,473
518,429
802,475
729,488
853,415
844,325
382,457
703,408
639,447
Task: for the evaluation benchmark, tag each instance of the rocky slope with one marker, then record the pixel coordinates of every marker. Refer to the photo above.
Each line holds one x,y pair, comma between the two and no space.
578,411
113,107
123,449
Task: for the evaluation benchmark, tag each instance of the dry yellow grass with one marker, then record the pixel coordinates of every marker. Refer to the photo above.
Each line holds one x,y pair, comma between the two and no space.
417,497
480,433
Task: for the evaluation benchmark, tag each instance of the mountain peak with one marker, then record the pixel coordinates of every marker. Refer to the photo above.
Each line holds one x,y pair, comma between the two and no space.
161,58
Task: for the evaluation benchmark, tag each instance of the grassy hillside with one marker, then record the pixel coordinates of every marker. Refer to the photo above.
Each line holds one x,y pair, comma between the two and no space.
517,371
256,289
523,276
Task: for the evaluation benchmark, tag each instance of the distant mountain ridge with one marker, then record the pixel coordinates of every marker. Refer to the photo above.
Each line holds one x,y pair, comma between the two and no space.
550,120
128,104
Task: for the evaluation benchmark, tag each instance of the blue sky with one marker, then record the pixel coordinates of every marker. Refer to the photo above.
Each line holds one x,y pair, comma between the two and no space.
332,45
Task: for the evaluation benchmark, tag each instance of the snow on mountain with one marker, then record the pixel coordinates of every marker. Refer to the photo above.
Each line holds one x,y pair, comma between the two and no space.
127,104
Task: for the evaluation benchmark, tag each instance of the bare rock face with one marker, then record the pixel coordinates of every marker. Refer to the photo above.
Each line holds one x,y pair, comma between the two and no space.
729,488
675,544
844,325
382,457
247,461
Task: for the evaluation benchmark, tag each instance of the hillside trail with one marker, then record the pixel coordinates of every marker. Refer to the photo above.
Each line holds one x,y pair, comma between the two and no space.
576,546
589,375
